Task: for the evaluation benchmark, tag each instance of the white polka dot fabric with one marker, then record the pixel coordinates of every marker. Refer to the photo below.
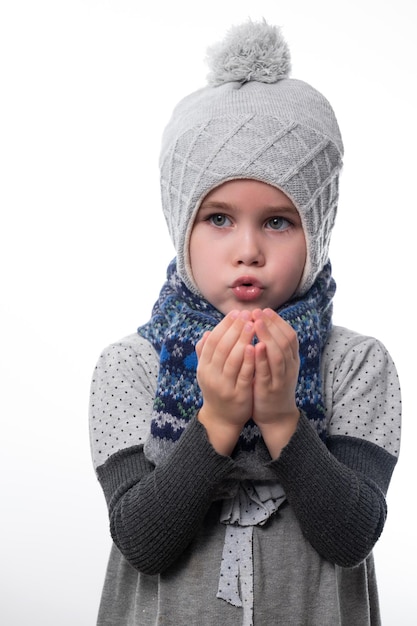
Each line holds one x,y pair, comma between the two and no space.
361,392
253,505
122,394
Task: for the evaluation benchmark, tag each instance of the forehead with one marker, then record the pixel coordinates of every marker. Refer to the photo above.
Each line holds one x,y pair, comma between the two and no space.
251,195
247,187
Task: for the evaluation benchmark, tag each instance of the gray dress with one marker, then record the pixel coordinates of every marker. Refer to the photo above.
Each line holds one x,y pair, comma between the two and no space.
312,559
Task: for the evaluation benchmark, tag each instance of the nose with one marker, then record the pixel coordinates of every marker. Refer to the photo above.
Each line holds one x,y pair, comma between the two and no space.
248,248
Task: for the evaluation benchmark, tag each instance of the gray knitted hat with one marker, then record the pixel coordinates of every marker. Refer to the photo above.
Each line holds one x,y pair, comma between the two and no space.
254,122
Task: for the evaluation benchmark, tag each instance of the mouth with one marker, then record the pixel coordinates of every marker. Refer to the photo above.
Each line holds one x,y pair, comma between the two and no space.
247,288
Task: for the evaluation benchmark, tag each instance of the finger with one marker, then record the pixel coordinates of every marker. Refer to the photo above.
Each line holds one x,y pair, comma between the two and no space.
232,348
262,366
210,343
223,349
247,369
257,314
277,351
200,344
271,327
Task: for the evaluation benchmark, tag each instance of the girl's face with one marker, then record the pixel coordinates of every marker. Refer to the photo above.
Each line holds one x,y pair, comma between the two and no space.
247,247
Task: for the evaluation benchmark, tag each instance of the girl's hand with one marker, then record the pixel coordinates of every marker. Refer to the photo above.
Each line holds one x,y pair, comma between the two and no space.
226,364
277,365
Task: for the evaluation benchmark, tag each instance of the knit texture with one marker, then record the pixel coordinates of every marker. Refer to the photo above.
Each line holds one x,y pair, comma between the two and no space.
251,51
283,133
156,513
179,320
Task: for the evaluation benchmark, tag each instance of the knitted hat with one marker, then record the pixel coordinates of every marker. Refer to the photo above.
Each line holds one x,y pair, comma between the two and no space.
252,122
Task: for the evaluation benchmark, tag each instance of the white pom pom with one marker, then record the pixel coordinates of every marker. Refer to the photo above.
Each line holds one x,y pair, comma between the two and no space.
252,51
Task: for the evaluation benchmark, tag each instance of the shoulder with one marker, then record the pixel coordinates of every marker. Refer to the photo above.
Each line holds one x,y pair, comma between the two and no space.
121,398
132,353
346,349
361,388
342,340
133,345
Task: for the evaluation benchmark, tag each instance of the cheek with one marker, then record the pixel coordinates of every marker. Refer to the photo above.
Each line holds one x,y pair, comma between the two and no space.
200,255
295,257
194,250
301,257
300,252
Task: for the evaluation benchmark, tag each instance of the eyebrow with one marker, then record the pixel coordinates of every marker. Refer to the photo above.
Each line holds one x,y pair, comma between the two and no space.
215,205
212,205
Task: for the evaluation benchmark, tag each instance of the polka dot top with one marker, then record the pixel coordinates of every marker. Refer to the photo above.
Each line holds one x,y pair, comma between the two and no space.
122,393
361,390
360,386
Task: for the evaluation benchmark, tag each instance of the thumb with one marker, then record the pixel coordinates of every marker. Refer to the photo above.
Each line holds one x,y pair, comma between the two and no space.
200,344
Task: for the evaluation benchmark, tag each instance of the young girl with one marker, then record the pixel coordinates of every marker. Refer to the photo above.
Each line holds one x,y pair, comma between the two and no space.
243,443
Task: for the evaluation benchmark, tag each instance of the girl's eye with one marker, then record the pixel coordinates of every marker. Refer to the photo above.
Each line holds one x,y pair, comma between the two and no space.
278,223
218,219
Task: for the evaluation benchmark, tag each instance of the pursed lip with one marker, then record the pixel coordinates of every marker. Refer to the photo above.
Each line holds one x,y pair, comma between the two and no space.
247,281
247,288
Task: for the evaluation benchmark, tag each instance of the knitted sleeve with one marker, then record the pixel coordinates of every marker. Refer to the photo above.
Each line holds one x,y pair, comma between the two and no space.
338,490
154,512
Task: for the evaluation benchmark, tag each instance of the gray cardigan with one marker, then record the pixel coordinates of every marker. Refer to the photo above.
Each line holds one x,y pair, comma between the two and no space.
312,560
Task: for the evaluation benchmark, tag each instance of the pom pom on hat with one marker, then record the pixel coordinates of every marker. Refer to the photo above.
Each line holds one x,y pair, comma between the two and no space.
254,51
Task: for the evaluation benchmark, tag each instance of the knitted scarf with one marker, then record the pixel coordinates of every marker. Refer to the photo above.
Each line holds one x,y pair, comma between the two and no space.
179,319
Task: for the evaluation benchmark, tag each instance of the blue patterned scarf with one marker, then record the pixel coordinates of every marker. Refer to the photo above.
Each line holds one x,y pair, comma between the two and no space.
179,319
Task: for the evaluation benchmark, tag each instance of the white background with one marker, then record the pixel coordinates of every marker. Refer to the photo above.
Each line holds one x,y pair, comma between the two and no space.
86,89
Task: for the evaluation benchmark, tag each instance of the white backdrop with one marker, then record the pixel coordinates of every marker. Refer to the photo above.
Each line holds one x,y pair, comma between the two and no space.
86,88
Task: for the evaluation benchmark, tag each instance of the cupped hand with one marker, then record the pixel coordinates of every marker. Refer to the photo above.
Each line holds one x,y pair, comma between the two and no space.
277,365
226,365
